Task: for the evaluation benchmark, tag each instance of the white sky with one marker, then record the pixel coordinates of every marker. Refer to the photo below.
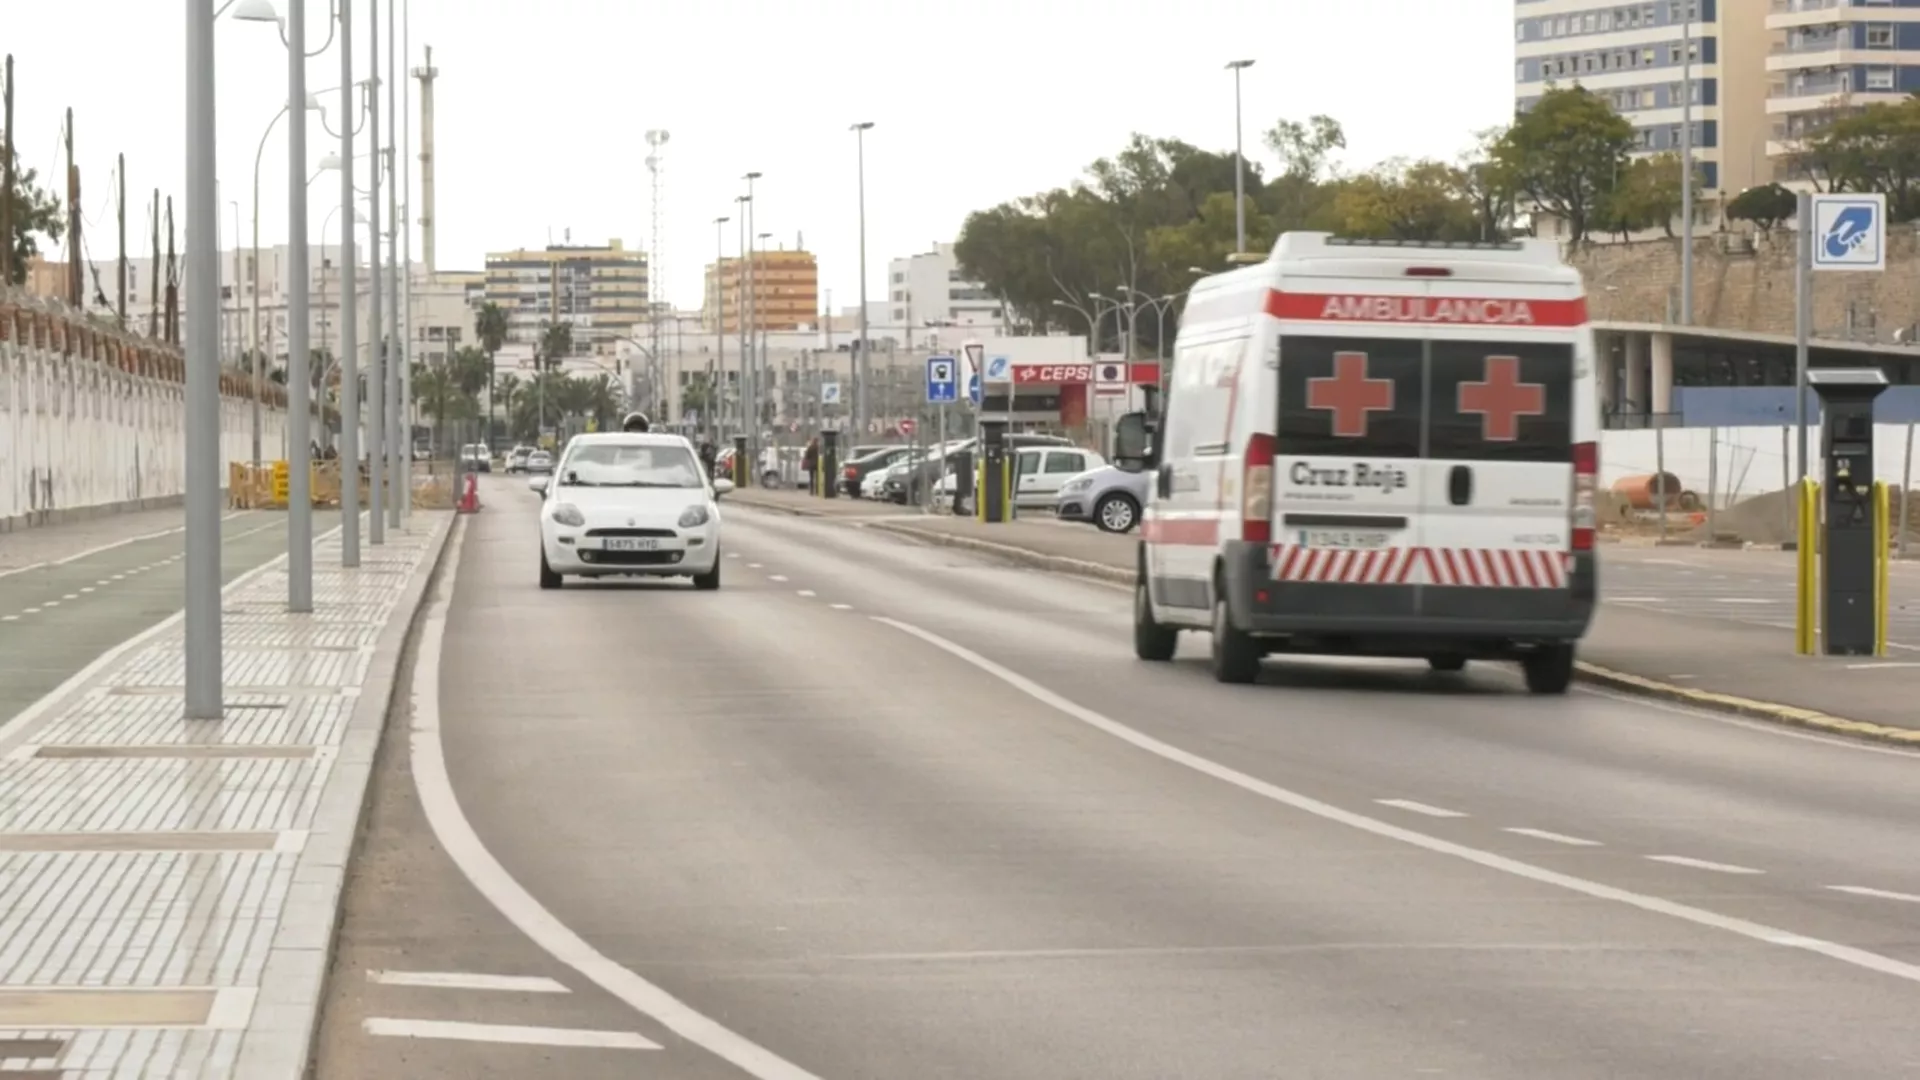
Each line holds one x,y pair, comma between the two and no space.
542,107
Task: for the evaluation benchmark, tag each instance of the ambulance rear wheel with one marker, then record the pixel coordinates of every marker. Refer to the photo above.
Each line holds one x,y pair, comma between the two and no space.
1236,656
1151,641
1549,669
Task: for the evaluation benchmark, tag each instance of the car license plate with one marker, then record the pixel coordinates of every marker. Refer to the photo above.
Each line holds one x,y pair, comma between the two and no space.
629,543
1343,539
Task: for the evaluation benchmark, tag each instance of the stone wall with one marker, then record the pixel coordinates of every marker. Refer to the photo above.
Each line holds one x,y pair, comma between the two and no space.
1751,288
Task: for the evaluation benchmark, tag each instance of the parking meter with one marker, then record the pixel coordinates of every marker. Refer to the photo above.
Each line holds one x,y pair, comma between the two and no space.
1852,541
993,500
963,467
741,467
829,465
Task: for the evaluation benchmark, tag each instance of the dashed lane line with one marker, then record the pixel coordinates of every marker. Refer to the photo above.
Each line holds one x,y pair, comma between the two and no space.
1420,808
1878,894
463,980
462,1031
1554,837
1703,864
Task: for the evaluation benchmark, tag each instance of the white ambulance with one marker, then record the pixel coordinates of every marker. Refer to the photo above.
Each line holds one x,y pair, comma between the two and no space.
1374,448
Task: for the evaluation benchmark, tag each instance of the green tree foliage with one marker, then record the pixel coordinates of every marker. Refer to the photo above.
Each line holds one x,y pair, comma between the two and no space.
36,213
1873,149
1765,206
1421,200
1647,194
1566,155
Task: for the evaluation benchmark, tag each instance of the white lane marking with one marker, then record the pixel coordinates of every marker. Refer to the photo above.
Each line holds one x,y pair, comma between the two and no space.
86,588
841,607
1749,600
50,603
1636,600
30,611
92,551
461,980
508,1033
753,566
9,618
805,592
1883,664
1419,808
71,596
776,577
455,833
112,656
1846,954
733,554
1558,838
1879,894
1702,864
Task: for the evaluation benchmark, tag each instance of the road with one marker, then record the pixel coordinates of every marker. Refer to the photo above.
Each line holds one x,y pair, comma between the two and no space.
58,615
877,810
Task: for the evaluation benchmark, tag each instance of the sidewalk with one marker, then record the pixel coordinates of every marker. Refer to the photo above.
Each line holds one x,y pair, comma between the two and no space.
168,888
1720,663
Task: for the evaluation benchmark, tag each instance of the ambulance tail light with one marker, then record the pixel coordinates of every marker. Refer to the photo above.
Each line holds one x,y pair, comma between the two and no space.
1256,491
1586,474
1429,271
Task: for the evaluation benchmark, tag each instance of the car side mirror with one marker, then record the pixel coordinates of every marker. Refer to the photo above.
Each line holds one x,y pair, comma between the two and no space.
721,487
538,483
1132,442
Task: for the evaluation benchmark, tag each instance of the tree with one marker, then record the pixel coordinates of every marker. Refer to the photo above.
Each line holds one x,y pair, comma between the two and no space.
1765,206
1566,154
1873,149
556,344
1487,187
490,328
1647,194
1406,201
36,213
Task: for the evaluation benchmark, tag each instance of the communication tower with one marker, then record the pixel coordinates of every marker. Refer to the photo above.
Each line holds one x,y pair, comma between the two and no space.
656,269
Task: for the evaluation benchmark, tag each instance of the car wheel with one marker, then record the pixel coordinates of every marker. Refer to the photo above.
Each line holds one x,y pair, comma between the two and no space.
1549,669
1151,641
770,479
1447,663
710,580
549,578
1116,513
1236,655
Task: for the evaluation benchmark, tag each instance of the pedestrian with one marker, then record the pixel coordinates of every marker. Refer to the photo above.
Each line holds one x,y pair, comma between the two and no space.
810,460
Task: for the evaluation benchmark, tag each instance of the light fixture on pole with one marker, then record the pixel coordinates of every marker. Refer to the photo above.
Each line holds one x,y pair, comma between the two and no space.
862,375
1239,163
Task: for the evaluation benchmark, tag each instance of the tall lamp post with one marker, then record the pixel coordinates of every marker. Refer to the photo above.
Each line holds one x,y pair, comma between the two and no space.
750,396
719,374
253,275
862,373
1239,163
762,386
745,203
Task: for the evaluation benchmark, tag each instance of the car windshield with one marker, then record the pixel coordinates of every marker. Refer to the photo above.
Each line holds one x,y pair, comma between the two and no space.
616,465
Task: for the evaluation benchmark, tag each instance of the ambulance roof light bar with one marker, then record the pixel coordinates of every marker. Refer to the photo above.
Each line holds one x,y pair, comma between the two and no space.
1442,245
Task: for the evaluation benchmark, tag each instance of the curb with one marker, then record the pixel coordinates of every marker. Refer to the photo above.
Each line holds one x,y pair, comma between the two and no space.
279,1038
778,508
1592,674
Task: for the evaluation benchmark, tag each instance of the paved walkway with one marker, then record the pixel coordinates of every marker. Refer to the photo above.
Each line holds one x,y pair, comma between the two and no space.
1656,623
168,888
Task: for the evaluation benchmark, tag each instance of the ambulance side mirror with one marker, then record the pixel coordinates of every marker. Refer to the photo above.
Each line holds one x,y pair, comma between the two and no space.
1133,443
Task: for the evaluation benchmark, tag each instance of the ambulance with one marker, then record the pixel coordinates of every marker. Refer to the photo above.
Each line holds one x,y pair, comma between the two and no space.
1375,448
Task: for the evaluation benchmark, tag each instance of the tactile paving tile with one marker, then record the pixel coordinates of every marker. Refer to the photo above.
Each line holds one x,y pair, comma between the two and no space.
159,720
278,634
129,794
140,1054
138,919
249,668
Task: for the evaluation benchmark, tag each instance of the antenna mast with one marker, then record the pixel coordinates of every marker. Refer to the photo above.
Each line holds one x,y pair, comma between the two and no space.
656,291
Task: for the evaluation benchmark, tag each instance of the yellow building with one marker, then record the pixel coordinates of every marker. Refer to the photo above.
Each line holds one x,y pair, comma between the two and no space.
786,292
602,291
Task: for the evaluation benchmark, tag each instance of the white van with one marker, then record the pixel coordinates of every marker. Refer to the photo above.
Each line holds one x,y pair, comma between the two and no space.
1375,448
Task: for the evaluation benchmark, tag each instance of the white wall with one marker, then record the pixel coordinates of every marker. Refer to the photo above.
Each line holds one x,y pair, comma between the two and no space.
1737,462
78,433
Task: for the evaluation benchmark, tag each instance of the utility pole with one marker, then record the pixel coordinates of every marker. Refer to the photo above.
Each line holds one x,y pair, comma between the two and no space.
399,425
173,282
76,280
120,300
153,272
377,428
719,369
6,186
1686,170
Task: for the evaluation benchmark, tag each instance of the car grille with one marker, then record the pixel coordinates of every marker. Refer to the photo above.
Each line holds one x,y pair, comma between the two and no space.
661,534
631,558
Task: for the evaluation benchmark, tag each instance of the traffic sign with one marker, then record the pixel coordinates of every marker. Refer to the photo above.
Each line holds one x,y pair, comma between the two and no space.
943,383
906,427
999,369
973,390
830,393
1849,231
1110,378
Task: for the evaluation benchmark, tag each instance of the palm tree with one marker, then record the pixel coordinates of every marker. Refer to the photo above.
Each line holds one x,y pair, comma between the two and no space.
490,327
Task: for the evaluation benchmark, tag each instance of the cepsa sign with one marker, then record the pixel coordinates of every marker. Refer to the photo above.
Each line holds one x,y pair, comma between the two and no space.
1052,374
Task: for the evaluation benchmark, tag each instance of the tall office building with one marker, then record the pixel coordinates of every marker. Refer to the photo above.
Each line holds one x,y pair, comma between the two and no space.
1632,55
785,290
602,291
1835,55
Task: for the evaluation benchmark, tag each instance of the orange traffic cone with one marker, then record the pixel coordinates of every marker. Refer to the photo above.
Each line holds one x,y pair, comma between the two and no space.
470,499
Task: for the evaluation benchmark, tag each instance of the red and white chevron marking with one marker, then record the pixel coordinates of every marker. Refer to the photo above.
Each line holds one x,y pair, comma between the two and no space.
1499,568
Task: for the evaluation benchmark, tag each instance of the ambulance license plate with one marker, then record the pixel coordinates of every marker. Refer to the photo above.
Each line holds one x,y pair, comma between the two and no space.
628,543
1343,539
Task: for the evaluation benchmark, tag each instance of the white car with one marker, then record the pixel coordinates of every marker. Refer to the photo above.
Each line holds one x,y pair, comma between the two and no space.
629,504
874,485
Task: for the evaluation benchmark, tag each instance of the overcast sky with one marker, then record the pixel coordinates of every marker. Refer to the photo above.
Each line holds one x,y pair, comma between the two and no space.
543,107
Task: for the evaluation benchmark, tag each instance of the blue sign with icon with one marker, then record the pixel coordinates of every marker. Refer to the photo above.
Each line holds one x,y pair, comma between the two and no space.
1849,231
1000,369
943,381
973,389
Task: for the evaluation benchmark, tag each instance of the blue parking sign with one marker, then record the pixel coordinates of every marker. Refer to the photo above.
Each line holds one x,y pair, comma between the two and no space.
943,381
1849,231
973,389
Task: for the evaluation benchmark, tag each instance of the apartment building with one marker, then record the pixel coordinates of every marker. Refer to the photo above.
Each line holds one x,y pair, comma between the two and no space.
1830,56
1635,55
928,290
601,291
785,291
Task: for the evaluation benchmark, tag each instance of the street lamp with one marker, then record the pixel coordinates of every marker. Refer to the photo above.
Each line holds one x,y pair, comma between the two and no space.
745,203
1093,324
719,325
862,375
750,366
253,274
1239,163
1117,305
760,364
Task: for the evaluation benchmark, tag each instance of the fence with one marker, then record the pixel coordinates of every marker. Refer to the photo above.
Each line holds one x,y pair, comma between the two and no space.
92,419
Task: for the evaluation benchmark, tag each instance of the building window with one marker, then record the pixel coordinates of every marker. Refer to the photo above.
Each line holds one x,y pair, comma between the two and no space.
1879,35
1879,78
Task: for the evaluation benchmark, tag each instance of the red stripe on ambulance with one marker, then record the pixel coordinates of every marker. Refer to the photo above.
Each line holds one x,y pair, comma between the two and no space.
1426,310
1499,568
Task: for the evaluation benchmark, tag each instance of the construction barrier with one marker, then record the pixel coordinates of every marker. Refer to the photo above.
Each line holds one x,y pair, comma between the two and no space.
266,488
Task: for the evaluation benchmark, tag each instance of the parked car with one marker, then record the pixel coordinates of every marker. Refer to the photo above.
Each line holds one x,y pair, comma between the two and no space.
1039,472
516,460
853,473
910,486
475,457
1110,497
539,462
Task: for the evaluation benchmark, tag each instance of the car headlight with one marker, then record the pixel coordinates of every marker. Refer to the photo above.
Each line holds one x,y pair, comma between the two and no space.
568,514
1077,485
693,517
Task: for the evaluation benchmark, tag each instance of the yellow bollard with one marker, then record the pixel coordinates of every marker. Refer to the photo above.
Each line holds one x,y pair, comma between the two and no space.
1882,563
1806,614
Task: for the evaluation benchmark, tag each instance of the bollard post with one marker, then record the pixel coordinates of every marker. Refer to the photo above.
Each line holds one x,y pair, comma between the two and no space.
1882,559
993,496
741,467
1807,578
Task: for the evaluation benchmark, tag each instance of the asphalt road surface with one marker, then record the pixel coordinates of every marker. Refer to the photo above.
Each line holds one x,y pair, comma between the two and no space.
881,811
58,615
